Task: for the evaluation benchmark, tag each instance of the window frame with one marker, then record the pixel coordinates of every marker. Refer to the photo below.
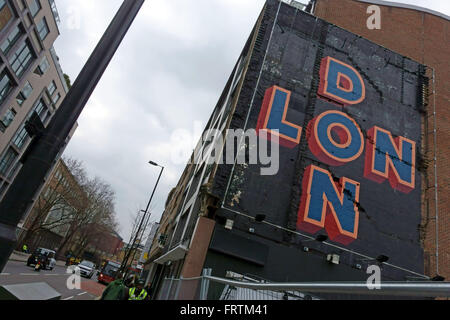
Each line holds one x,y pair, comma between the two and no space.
5,90
7,160
56,98
11,41
12,114
53,86
24,63
38,7
45,27
47,64
22,97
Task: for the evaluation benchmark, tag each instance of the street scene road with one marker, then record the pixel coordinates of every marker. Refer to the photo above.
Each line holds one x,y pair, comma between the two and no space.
17,272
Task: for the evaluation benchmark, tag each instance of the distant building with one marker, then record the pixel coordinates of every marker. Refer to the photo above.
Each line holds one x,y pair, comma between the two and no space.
105,245
151,236
31,79
48,222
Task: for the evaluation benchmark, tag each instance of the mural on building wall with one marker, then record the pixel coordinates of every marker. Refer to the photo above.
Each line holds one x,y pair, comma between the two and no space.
348,115
326,203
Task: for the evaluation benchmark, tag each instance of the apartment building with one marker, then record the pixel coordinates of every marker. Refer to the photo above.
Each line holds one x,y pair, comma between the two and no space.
31,79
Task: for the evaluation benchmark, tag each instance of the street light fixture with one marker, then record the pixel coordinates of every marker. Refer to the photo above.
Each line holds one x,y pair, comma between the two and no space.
127,257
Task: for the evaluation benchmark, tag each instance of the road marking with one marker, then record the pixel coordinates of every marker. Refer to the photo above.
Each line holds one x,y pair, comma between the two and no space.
29,274
80,294
68,298
54,274
5,274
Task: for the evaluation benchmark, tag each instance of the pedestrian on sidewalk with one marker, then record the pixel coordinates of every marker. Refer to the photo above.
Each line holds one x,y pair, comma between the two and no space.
138,292
25,248
115,290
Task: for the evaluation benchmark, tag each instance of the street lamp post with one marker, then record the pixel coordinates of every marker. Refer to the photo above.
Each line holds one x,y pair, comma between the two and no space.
126,258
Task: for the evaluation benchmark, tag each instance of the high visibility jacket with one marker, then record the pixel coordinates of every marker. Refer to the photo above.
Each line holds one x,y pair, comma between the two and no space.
141,296
25,247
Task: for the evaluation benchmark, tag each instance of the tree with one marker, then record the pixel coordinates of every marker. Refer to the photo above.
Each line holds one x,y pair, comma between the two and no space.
97,215
55,207
74,206
68,82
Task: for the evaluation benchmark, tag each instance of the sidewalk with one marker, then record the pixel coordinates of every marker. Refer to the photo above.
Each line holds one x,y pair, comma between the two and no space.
23,257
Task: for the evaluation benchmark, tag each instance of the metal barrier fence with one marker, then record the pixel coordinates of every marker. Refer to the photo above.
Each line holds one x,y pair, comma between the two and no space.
241,287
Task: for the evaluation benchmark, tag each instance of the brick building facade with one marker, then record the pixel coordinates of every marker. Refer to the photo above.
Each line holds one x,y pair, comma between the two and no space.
424,36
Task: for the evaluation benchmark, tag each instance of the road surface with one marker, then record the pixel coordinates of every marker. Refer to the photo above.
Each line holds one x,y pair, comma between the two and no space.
17,272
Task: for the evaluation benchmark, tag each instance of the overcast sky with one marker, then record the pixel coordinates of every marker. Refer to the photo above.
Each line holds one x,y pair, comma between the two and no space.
167,75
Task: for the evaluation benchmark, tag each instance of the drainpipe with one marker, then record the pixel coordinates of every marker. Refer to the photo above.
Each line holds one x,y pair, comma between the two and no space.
435,173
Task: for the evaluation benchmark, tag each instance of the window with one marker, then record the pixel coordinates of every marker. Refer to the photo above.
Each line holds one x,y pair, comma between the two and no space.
11,40
43,66
42,111
24,94
56,98
3,186
21,59
5,86
8,118
7,161
42,29
20,138
35,6
14,170
51,88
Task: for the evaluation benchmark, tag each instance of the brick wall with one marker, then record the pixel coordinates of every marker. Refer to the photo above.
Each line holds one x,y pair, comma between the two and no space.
425,38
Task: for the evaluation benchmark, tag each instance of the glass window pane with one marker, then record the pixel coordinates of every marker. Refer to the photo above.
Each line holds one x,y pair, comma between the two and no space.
44,65
21,59
7,161
42,29
8,118
5,86
11,40
35,6
52,87
56,98
27,89
20,138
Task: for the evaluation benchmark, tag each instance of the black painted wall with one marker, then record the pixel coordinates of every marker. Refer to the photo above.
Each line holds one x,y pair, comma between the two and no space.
389,220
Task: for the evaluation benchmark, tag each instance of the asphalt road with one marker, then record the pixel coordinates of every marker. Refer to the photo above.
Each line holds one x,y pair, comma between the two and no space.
17,272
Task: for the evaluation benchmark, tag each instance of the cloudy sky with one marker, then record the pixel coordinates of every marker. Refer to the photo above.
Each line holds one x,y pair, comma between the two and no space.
163,82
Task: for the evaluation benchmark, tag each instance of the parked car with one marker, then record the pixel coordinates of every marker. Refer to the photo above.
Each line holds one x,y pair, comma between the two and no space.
48,263
87,268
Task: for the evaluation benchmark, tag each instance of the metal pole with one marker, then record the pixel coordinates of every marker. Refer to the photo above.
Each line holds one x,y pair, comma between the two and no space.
42,152
140,237
436,204
125,260
405,289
